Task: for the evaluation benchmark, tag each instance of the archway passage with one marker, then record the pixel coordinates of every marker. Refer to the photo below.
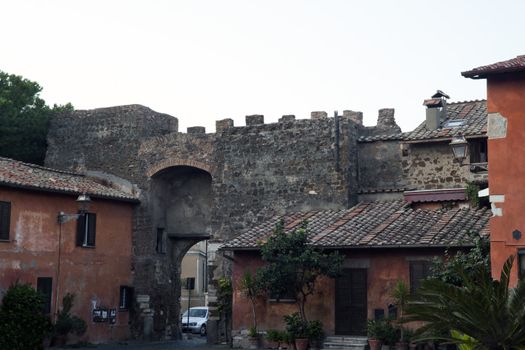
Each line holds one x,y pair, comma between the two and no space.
181,200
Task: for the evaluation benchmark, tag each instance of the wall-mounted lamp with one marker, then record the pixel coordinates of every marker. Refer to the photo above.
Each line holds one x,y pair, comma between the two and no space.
460,147
83,205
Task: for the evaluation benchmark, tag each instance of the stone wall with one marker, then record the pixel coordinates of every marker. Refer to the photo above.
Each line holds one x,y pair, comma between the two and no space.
380,165
432,166
256,171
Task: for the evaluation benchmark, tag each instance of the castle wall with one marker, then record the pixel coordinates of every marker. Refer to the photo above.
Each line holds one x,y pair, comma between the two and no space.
257,171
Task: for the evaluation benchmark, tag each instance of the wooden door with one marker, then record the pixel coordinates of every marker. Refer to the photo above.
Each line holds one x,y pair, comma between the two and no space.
351,302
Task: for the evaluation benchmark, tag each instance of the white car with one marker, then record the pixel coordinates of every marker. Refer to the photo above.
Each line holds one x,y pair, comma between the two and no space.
197,320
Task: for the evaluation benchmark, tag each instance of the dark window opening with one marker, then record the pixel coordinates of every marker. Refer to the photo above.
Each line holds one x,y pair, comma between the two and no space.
478,151
126,297
5,220
44,286
86,230
285,296
419,270
161,241
521,263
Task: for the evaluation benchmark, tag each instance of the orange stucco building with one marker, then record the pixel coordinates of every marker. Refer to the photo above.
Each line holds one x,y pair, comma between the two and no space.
506,135
88,255
381,241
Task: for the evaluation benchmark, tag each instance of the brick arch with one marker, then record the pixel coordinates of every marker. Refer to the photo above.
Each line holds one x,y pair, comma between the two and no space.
178,162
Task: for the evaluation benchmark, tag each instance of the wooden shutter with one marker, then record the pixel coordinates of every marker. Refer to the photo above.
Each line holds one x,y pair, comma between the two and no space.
81,230
419,270
44,286
5,220
91,229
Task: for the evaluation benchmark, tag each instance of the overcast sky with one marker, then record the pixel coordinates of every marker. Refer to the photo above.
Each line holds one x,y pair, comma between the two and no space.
201,61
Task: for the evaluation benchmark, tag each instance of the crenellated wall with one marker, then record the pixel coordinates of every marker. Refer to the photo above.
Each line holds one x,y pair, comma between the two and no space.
256,171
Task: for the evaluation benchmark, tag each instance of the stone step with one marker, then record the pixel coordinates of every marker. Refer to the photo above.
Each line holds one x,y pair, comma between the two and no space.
347,341
332,345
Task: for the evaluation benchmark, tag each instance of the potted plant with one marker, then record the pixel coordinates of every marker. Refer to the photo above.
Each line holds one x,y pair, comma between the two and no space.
67,323
273,337
374,330
298,330
253,337
400,294
315,334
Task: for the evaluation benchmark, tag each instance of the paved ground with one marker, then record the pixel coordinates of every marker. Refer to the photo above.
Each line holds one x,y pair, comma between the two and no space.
196,343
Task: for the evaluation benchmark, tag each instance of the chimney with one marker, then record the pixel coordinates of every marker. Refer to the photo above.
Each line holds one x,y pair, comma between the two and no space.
436,110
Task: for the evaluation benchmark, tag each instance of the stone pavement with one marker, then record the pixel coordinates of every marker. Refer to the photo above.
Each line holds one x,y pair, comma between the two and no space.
193,344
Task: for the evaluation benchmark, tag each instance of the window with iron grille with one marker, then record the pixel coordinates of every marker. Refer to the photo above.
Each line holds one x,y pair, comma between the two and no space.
419,270
44,285
86,230
5,220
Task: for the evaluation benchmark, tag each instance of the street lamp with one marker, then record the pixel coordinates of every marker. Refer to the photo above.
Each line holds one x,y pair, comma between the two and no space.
459,147
83,202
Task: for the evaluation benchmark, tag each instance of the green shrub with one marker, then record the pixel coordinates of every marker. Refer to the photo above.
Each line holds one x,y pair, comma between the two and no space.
315,330
23,326
296,326
67,323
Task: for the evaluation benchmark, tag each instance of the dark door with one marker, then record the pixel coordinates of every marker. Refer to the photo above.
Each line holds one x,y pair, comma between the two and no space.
350,302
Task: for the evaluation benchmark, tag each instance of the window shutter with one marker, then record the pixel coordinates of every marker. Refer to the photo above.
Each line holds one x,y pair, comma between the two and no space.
91,229
5,219
81,230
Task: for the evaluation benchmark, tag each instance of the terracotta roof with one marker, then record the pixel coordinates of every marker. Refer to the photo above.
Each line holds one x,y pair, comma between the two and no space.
14,173
474,114
380,224
513,65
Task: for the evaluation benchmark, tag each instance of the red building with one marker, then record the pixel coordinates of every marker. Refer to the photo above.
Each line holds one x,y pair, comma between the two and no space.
382,242
45,241
506,135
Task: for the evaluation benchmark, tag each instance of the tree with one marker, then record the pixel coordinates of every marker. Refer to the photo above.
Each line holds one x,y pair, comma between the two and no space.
252,289
477,257
295,265
24,119
486,311
23,324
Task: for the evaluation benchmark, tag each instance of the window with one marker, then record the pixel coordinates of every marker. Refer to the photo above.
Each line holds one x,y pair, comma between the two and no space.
161,241
419,270
44,286
5,220
521,263
478,150
454,123
86,230
284,296
126,297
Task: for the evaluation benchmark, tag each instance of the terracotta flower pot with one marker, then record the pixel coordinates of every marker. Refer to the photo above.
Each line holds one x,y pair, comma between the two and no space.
375,344
301,343
401,345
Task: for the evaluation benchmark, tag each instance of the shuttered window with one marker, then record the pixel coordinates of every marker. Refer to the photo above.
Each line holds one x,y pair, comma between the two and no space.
44,286
86,230
5,220
419,270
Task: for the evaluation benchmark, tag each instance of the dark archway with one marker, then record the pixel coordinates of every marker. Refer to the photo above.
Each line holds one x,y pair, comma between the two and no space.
181,206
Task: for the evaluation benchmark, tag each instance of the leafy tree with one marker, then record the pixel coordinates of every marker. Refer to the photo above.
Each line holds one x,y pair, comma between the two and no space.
477,257
224,301
487,311
251,288
24,119
294,265
23,325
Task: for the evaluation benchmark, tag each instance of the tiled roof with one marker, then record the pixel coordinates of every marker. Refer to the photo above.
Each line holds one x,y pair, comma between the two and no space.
474,114
14,173
380,224
513,65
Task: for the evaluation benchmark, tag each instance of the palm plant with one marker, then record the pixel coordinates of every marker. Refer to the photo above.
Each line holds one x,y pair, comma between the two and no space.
485,310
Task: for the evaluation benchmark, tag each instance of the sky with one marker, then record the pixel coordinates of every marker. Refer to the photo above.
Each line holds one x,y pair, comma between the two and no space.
206,60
